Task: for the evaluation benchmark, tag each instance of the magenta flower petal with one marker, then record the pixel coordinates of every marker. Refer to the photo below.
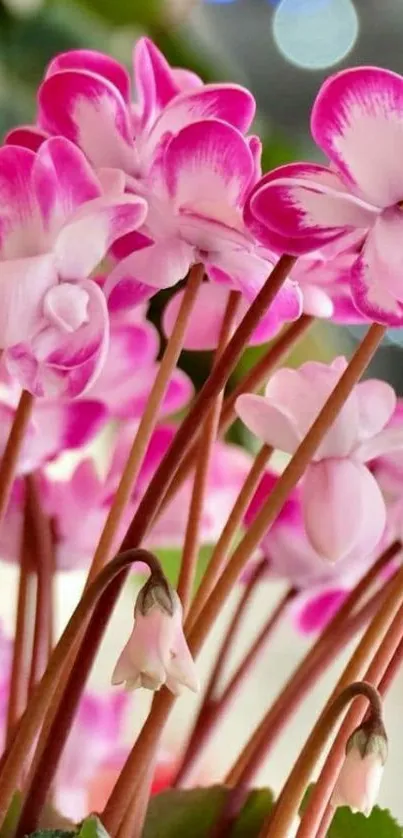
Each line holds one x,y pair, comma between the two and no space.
206,159
343,508
228,102
28,136
94,62
357,120
319,609
85,240
308,213
63,180
155,84
91,112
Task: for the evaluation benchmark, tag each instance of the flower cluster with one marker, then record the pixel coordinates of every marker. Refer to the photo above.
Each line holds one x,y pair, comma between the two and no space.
121,189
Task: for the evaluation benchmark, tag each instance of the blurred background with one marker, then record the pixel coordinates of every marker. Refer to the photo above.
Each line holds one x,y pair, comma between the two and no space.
282,50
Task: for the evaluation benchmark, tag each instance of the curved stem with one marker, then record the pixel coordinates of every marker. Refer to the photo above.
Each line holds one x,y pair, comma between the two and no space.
147,423
231,527
300,775
249,383
332,640
13,447
279,824
393,631
286,483
32,718
205,445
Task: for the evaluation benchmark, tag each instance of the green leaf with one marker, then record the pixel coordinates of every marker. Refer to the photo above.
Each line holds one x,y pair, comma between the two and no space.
380,824
92,827
13,813
179,814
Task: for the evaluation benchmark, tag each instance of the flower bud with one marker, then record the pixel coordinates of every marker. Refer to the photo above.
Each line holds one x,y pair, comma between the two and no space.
156,652
360,777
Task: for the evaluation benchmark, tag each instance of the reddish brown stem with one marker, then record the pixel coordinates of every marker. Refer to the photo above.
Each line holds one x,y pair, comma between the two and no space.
22,637
205,444
213,709
43,564
12,450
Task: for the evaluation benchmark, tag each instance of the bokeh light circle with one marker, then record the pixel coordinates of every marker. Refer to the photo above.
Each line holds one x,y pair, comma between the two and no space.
315,34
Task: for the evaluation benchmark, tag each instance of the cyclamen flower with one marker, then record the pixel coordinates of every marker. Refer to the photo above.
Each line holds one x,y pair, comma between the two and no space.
321,585
358,783
156,652
182,148
343,507
87,96
57,222
357,120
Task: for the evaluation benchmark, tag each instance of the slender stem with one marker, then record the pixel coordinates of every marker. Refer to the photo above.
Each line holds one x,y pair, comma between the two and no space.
232,526
376,670
132,824
18,680
147,423
275,354
286,483
279,824
205,450
12,450
325,823
147,741
300,775
392,670
250,382
33,716
332,640
190,426
213,709
43,562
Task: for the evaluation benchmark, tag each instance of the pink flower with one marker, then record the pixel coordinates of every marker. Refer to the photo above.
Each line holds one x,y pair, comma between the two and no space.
57,223
322,585
95,740
87,96
129,371
357,120
360,777
64,499
195,192
205,325
156,652
343,506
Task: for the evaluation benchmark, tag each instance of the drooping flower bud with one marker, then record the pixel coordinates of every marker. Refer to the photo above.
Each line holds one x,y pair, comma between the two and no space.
156,652
360,777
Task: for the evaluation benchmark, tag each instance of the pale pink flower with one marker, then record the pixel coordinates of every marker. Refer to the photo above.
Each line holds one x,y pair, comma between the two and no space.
95,740
343,506
321,585
358,783
357,120
156,652
58,220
